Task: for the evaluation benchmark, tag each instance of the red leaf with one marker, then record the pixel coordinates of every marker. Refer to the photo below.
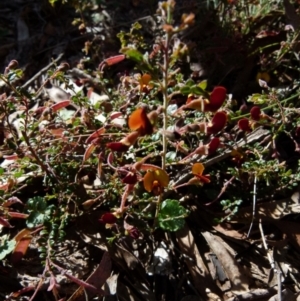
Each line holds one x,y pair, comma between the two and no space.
17,215
88,152
114,59
81,283
95,135
10,157
131,138
117,146
267,33
198,104
52,283
12,200
20,249
115,115
4,222
23,291
23,233
96,279
59,133
60,105
4,186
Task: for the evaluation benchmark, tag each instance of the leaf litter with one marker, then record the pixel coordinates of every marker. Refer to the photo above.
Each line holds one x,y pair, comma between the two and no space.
216,262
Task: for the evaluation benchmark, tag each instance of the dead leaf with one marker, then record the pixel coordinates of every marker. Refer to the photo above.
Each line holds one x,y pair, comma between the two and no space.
254,295
195,263
111,283
226,229
23,239
291,230
235,273
96,279
286,295
270,210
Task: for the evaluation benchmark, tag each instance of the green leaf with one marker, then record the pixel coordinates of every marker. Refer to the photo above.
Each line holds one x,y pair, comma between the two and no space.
35,219
171,156
65,114
136,26
189,82
39,212
197,90
203,85
134,55
139,58
52,2
185,90
6,246
171,215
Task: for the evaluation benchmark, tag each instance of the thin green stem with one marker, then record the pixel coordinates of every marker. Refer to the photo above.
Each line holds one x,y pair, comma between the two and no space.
2,77
157,211
268,107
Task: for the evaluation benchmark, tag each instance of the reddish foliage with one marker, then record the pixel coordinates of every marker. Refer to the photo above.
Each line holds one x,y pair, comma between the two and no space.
114,59
95,135
117,146
60,105
20,250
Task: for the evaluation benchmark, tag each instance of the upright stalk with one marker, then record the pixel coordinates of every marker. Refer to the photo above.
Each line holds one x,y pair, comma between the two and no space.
165,82
164,86
165,99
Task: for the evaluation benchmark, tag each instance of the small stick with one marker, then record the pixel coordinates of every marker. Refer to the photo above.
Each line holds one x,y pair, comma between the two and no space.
222,191
272,262
254,205
42,71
